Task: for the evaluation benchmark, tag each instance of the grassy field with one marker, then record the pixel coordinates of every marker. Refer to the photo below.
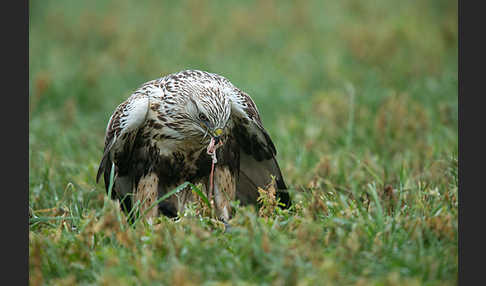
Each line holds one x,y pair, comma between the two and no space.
360,98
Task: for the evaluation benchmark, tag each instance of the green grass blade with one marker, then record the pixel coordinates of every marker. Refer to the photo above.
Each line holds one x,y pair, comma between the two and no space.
110,186
174,191
379,208
200,194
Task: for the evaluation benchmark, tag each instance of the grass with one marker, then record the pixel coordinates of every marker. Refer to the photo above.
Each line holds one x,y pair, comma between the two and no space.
360,99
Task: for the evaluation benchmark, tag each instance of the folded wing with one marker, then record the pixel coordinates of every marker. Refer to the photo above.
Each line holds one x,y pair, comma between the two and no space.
257,152
121,132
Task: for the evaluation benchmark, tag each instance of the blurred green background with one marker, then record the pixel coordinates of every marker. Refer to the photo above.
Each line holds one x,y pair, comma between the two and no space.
297,60
352,92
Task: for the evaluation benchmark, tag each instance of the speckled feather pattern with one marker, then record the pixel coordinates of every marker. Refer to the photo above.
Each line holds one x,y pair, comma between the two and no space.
169,94
159,127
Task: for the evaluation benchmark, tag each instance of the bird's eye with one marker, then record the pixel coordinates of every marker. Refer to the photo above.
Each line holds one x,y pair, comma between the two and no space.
203,117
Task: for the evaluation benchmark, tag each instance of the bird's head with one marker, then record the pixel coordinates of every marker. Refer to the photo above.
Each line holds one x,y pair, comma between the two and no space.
208,111
210,127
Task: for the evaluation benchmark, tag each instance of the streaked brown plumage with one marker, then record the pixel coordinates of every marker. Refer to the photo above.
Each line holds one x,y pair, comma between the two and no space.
157,140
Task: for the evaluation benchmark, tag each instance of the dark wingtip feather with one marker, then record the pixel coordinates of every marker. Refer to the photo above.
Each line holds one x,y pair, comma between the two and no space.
284,198
280,182
101,168
282,193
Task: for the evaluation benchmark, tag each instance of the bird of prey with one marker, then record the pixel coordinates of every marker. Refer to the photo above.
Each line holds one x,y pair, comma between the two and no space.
192,126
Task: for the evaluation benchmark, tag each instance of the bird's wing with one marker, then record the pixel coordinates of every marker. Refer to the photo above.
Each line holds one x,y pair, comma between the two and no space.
257,151
121,131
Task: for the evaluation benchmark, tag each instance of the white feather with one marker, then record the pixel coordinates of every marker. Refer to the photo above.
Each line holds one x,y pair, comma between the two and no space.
134,114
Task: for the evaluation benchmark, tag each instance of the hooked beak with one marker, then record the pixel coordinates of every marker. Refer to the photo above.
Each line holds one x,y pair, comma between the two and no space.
215,133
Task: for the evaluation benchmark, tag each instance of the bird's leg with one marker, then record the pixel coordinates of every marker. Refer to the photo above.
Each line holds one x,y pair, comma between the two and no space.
227,227
147,193
224,192
211,189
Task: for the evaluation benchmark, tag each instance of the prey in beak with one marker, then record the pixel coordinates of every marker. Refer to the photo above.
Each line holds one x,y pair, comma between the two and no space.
215,143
